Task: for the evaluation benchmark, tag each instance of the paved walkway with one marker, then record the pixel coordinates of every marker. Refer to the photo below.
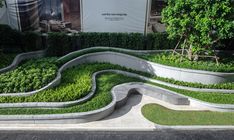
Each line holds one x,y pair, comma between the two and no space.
128,117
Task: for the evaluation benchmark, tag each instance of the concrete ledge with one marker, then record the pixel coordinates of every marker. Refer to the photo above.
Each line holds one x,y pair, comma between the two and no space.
23,56
181,74
87,97
194,127
126,61
163,92
119,94
122,92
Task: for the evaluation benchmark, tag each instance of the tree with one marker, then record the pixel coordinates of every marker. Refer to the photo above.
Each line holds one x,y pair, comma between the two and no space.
200,24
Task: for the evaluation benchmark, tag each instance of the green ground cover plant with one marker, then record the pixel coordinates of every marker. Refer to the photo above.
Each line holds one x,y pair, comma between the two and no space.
76,83
29,76
164,116
101,98
219,98
168,59
225,65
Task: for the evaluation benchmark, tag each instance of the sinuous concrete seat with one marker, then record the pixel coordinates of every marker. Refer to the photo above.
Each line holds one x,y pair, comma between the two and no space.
122,92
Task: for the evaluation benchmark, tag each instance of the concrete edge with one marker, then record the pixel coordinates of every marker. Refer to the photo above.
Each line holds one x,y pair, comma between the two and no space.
216,107
23,56
78,117
84,58
194,127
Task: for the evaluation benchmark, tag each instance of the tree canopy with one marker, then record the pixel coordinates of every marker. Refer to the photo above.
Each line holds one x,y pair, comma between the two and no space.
200,24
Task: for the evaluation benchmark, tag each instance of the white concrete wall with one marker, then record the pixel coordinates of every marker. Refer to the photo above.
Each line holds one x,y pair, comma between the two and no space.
3,15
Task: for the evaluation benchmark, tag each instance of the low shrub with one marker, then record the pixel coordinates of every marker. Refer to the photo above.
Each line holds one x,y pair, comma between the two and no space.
31,41
10,39
6,60
75,84
60,43
225,64
31,75
159,41
102,97
17,42
229,85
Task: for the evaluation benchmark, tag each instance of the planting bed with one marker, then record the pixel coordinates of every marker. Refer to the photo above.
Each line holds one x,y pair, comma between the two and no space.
225,64
162,59
76,83
29,76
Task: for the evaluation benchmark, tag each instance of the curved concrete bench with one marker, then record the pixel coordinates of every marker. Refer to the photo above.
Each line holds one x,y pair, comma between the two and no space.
119,59
23,56
122,93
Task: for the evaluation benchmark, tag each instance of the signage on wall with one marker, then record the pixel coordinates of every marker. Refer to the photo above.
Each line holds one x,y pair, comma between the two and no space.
76,15
114,15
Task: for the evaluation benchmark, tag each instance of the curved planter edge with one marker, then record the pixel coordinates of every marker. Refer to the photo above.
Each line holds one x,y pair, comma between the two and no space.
23,56
85,116
127,58
213,77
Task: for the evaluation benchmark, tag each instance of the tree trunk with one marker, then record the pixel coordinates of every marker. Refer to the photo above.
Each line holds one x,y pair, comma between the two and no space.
190,53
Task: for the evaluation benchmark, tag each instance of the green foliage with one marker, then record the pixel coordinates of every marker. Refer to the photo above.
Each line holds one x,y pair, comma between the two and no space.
6,60
159,41
9,38
225,65
15,41
32,41
201,24
171,60
119,40
60,43
76,83
102,97
220,98
31,75
164,116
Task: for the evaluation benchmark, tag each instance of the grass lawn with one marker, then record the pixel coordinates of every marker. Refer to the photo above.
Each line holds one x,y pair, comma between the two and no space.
163,116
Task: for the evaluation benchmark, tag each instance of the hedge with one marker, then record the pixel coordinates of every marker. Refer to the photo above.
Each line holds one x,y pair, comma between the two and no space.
60,43
15,41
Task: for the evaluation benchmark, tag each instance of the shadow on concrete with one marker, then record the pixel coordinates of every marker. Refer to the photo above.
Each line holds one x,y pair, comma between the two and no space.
134,99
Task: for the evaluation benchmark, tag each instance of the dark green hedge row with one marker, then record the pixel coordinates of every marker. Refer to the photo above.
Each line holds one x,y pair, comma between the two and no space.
60,43
15,41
